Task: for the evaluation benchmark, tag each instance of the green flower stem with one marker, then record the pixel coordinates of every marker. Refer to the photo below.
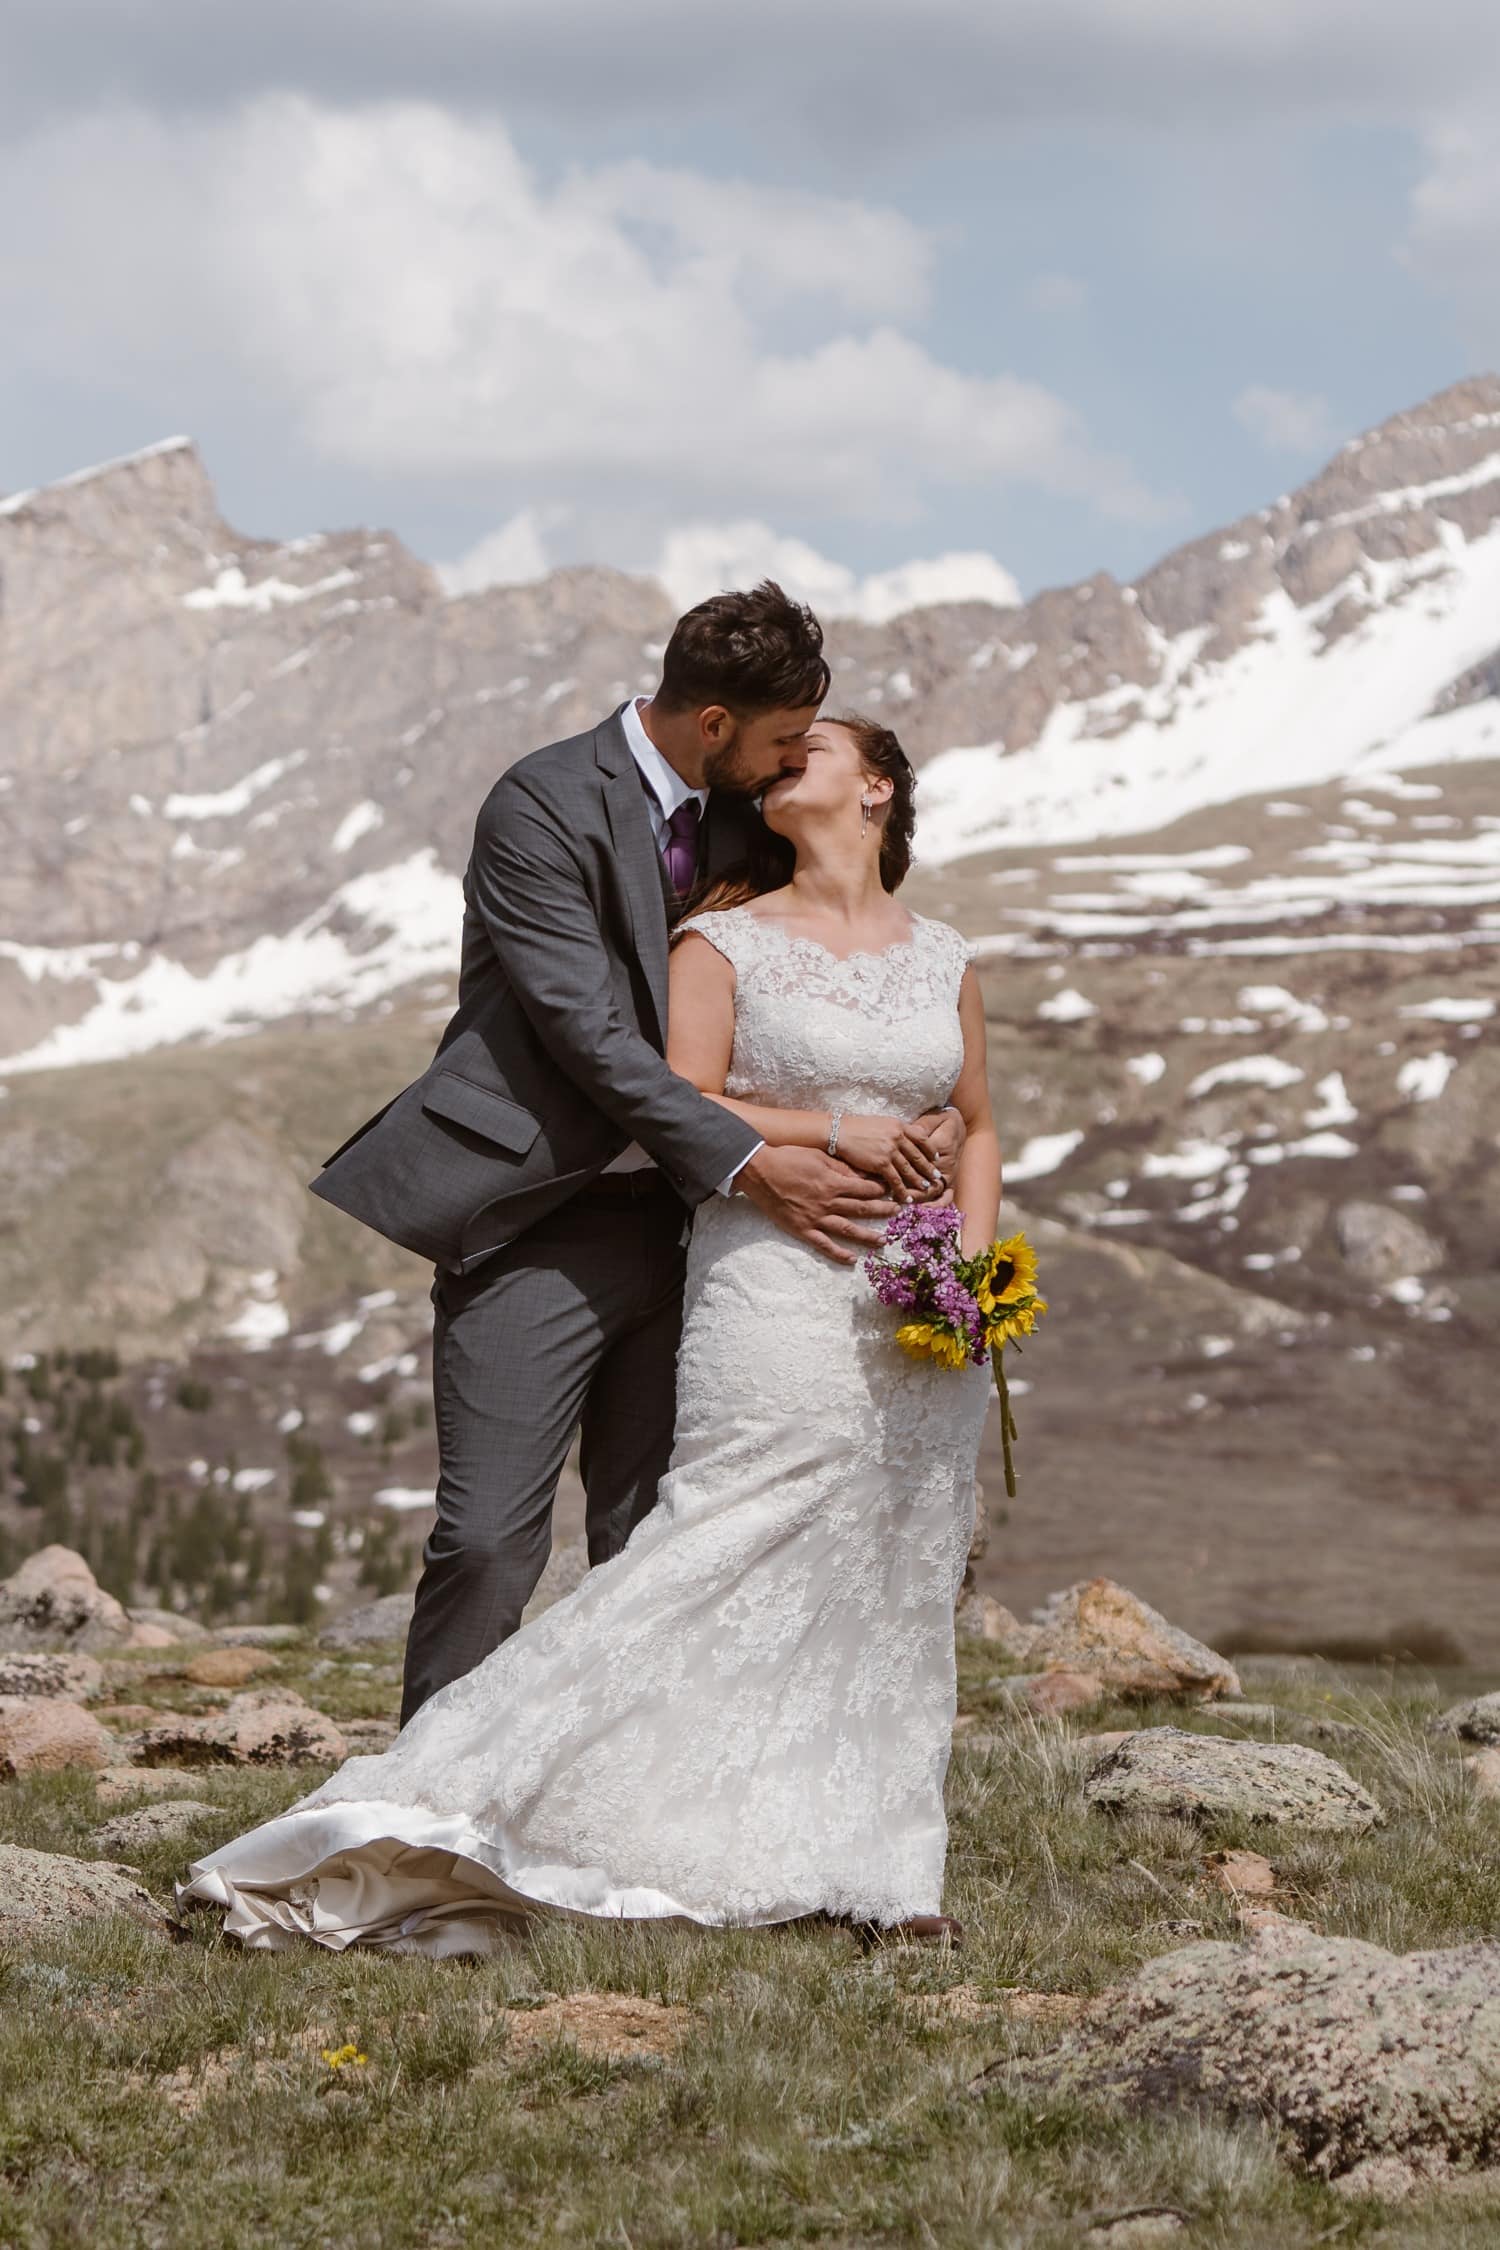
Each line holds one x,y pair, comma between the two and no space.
1007,1420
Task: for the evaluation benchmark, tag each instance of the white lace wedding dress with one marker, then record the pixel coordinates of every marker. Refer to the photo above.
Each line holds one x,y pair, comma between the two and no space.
745,1716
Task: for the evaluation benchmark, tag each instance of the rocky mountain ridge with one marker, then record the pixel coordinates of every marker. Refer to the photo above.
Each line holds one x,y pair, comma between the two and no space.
240,775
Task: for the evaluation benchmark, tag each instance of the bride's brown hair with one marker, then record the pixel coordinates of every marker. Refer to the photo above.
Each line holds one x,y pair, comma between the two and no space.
768,864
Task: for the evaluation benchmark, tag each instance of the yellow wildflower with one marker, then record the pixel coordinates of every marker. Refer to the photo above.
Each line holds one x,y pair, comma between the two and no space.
1010,1273
339,2058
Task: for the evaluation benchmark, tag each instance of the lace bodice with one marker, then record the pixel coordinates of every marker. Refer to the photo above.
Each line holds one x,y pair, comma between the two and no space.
877,1032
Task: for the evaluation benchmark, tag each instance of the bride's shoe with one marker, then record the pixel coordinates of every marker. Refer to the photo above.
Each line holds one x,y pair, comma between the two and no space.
919,1929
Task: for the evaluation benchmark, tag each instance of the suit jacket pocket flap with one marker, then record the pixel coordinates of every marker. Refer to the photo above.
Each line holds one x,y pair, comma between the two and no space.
493,1116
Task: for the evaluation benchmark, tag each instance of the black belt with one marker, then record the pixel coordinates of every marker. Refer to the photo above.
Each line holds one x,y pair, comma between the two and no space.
629,1187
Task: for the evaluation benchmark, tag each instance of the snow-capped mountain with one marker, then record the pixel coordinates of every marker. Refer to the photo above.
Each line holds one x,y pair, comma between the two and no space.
239,776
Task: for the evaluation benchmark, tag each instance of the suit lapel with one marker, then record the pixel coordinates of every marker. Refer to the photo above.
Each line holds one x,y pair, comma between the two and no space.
644,877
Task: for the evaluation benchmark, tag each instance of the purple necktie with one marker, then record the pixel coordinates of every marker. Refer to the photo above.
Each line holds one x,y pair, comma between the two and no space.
680,851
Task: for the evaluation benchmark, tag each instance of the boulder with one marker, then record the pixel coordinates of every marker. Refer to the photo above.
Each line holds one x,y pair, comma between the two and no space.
1051,1694
228,1667
370,1625
1165,1769
258,1636
121,1784
49,1735
1484,1769
1478,1720
163,1822
48,1673
985,1619
47,1890
263,1727
1370,2065
172,1627
1241,1874
1103,1628
54,1601
1381,1244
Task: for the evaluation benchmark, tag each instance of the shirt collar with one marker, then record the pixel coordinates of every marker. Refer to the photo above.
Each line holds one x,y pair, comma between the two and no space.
664,781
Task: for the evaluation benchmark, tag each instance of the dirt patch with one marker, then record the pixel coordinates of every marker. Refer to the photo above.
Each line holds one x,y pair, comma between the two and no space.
613,2026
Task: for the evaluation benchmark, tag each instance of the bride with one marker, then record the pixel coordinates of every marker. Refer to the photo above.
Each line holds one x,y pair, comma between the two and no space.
745,1716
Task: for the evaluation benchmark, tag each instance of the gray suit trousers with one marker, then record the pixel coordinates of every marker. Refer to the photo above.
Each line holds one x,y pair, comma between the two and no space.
574,1325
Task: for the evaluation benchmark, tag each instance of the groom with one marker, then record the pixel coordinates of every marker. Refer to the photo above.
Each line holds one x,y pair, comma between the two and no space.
545,1159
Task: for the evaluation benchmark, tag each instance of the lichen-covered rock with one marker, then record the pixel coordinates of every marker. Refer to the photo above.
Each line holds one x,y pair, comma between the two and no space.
165,1821
1166,1769
47,1890
370,1625
50,1673
45,1734
119,1785
1103,1628
1361,2058
1478,1720
54,1601
264,1727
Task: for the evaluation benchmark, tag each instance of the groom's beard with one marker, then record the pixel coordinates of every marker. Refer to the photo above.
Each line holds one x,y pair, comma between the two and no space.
729,769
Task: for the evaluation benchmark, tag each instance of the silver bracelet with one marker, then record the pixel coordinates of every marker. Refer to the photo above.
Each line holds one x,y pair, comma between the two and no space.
833,1132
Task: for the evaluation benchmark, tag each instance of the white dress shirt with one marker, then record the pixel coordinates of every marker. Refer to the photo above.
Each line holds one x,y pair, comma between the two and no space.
666,791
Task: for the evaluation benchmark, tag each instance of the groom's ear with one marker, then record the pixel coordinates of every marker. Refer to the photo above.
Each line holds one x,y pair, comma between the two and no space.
715,725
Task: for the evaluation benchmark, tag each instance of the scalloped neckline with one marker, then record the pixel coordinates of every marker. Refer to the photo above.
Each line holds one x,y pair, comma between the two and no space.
839,960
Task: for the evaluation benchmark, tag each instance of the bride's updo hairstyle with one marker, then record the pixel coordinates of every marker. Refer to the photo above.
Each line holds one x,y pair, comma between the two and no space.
881,753
768,864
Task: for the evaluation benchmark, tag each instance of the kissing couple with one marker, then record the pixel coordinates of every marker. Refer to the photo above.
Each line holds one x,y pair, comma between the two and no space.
701,1054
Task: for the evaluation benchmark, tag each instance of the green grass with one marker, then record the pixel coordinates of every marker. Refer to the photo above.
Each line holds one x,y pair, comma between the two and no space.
175,2094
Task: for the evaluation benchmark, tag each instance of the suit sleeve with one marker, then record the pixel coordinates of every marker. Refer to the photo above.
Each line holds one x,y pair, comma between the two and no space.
528,885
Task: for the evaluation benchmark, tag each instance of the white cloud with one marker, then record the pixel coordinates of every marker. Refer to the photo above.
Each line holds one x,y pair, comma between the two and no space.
512,556
403,284
1286,421
701,559
1453,240
698,559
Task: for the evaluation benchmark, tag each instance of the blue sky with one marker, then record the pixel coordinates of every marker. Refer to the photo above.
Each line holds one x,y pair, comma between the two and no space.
824,289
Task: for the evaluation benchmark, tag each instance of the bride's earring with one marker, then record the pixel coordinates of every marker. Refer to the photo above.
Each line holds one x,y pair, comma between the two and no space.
864,815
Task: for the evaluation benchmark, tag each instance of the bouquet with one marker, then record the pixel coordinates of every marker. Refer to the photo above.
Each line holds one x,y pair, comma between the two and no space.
960,1311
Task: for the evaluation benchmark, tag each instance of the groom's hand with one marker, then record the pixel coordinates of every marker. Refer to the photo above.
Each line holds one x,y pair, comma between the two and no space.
821,1201
947,1132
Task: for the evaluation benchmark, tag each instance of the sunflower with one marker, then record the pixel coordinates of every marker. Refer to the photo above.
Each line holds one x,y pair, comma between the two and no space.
1019,1321
1009,1273
925,1341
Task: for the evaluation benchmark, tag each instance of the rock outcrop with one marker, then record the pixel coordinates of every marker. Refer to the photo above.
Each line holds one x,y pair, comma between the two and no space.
263,1727
1103,1629
41,1891
1198,1776
1477,1720
50,1735
54,1601
164,1822
1379,2070
49,1673
369,1626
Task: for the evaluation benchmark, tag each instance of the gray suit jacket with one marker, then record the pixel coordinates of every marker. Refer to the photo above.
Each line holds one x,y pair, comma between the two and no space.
552,1062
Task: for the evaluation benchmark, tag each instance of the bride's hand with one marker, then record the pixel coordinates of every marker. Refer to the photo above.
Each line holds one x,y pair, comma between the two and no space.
889,1149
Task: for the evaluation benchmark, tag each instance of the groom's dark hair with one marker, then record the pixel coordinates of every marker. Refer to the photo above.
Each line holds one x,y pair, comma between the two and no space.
752,652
